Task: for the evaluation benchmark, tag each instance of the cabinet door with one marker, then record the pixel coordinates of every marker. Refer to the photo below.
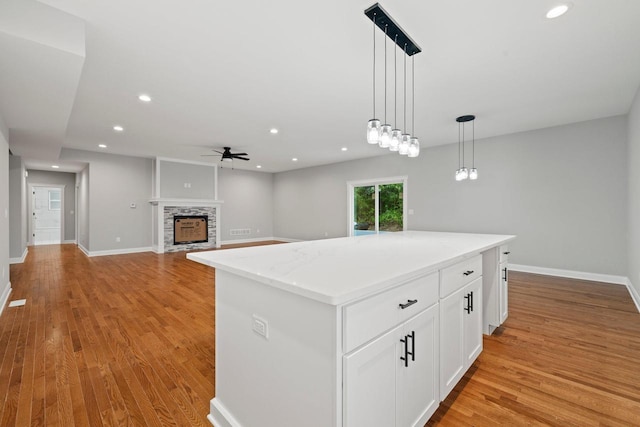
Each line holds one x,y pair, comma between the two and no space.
370,382
472,321
418,379
504,292
451,341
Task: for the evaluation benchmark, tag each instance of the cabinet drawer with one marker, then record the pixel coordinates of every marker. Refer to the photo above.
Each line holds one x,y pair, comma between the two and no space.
370,317
504,253
456,276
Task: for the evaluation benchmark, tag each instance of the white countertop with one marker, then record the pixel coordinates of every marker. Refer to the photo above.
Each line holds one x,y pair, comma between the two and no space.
336,271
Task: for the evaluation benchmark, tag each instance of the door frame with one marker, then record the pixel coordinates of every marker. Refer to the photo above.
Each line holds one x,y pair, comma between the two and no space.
30,209
351,185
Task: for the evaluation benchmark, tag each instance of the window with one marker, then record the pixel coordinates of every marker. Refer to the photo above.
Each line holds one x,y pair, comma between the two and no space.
54,200
377,206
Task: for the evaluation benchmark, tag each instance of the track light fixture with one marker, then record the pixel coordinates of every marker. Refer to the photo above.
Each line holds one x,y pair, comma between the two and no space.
386,137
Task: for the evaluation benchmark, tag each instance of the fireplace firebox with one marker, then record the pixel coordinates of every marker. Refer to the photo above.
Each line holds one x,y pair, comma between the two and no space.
190,229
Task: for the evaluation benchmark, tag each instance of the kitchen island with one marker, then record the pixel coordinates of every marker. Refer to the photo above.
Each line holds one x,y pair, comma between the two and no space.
369,330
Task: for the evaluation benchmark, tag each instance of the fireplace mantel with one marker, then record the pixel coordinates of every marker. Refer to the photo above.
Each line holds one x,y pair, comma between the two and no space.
185,202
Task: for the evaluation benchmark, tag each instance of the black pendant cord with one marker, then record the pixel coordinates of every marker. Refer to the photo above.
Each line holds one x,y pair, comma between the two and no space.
405,88
463,145
459,132
374,65
385,75
413,96
395,82
473,144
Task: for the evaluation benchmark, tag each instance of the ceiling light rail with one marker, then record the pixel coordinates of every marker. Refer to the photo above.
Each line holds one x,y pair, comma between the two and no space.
385,22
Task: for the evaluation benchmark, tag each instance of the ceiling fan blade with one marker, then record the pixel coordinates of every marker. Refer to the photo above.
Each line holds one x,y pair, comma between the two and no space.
207,155
217,152
241,158
239,154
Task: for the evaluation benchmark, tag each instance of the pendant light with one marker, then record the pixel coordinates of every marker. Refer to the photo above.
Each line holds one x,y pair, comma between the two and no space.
414,144
385,135
373,126
403,148
463,173
396,133
385,129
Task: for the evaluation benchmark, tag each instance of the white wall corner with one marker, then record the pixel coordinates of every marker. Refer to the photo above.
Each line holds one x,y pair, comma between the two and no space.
570,274
21,259
83,249
4,298
635,296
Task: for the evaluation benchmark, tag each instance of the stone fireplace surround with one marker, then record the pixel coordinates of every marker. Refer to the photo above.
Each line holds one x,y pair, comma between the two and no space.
165,209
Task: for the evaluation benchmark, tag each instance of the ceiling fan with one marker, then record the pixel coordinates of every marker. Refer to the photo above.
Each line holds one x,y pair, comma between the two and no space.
227,155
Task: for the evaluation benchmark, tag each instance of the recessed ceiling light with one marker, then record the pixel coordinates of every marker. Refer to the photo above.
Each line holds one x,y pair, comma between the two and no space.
295,159
144,98
258,167
558,11
55,166
118,128
344,148
102,146
274,131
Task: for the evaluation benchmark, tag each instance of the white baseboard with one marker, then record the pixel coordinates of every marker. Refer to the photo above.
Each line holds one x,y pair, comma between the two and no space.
115,251
83,249
571,274
5,297
634,294
21,259
69,242
260,239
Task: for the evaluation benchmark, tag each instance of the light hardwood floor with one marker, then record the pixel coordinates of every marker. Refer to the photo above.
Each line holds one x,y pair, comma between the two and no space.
129,340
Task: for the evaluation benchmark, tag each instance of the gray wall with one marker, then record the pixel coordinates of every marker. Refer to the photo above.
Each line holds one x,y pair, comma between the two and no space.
634,194
17,208
248,203
69,181
562,190
82,183
5,284
114,183
174,176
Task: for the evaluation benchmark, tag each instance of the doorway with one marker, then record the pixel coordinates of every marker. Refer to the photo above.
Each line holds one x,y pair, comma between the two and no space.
46,210
377,206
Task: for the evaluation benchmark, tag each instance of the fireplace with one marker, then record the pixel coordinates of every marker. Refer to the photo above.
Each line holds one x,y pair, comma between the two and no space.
190,229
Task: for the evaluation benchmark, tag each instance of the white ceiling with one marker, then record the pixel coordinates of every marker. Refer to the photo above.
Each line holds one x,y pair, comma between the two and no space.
222,73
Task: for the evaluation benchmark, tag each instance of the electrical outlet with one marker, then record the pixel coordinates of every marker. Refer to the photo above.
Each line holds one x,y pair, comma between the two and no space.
260,326
326,234
117,239
257,231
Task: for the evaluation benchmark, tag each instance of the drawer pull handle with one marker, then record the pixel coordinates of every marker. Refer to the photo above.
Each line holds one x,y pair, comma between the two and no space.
468,272
409,302
505,277
506,253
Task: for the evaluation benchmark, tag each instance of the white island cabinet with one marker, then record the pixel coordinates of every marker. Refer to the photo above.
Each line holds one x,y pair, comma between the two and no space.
346,332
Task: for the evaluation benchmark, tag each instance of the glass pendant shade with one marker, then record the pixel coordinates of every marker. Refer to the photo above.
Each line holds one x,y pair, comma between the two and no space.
473,173
373,131
414,147
464,173
385,136
403,148
394,145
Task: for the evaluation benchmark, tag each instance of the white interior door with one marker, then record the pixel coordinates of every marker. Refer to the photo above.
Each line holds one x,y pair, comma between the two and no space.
46,215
